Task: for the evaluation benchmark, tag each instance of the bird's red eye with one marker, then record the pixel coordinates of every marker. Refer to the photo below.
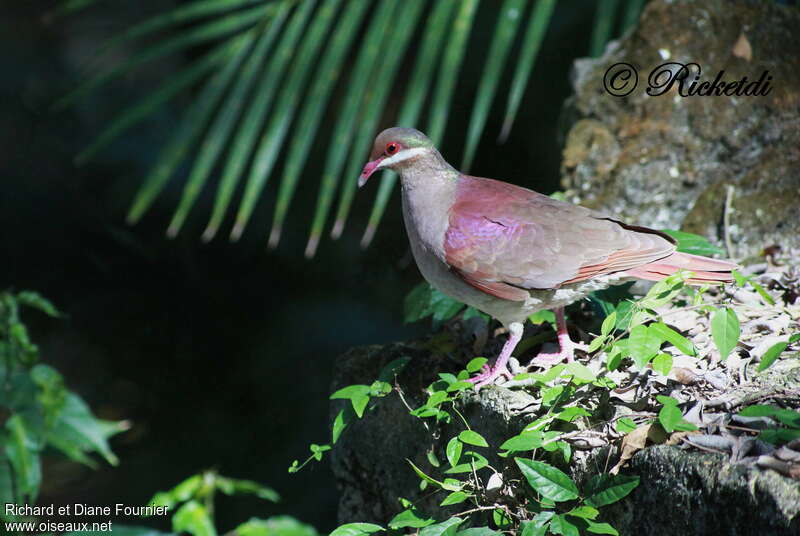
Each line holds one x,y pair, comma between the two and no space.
391,148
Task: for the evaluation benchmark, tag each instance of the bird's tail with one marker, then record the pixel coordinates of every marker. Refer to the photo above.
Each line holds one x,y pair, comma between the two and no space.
704,269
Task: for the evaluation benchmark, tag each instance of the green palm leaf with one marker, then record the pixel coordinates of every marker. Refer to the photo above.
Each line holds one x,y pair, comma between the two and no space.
267,82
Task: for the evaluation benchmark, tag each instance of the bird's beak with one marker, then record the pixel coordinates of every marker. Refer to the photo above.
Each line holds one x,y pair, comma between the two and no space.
369,169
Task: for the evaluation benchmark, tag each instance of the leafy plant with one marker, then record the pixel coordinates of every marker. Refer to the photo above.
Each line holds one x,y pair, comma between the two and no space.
268,69
38,411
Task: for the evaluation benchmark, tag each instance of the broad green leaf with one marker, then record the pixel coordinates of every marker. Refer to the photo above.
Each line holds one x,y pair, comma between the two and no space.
547,480
276,526
561,525
600,528
329,68
625,425
579,371
455,497
694,244
794,338
393,368
662,363
537,27
504,33
476,364
283,112
608,324
779,435
571,413
415,92
181,493
405,21
771,355
584,512
187,132
350,392
725,331
215,28
478,531
219,131
673,337
339,424
345,127
471,437
75,430
633,8
643,346
606,489
193,518
356,529
417,303
128,530
52,394
524,442
236,486
476,462
453,55
786,416
410,518
453,451
445,528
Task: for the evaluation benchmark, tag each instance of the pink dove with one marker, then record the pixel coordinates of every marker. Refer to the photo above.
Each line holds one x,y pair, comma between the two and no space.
510,252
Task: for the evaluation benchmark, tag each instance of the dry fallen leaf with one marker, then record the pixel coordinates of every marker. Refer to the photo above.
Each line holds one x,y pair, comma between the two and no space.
636,441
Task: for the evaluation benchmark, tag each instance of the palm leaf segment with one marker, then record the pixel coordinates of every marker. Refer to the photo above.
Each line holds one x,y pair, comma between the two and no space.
267,77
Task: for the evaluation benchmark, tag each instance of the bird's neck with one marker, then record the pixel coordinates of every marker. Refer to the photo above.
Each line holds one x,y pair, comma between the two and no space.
429,189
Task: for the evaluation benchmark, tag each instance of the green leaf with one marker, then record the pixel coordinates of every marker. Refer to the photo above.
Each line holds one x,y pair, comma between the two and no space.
410,518
725,331
283,113
625,425
324,79
478,531
357,529
580,372
181,493
393,368
794,338
453,451
524,442
600,528
786,416
571,413
193,518
476,364
662,363
643,346
350,392
604,489
504,33
779,435
673,337
694,244
561,525
76,431
670,416
235,486
471,437
537,26
455,497
276,526
345,128
23,456
35,300
549,481
476,462
453,55
417,89
417,303
445,528
540,317
771,355
608,324
584,512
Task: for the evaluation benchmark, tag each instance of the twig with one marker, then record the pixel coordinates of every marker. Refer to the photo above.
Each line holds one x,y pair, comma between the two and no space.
403,400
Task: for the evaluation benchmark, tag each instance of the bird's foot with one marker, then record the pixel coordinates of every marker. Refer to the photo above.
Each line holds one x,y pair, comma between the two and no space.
489,375
565,353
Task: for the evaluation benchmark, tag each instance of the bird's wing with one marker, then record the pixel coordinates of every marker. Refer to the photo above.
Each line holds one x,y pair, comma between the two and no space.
503,239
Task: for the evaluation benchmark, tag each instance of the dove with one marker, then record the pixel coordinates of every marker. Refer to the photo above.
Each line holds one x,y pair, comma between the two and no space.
509,251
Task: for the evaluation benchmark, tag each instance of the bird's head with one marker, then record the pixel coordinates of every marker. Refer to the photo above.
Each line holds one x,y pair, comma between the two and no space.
395,148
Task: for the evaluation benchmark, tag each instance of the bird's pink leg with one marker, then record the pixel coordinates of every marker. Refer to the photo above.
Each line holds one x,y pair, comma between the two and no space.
565,344
499,369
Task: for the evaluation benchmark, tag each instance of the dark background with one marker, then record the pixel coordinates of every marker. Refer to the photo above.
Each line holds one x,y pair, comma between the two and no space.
219,354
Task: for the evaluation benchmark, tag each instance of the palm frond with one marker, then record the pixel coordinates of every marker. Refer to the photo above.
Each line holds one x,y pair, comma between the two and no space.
267,81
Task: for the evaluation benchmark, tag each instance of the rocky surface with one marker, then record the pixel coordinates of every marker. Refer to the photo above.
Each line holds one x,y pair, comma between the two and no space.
672,162
718,481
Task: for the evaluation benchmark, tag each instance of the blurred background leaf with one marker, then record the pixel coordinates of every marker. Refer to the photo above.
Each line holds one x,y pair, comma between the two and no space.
271,71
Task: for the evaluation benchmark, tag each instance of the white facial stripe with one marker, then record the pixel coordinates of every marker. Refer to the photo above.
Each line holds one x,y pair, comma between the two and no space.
405,154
